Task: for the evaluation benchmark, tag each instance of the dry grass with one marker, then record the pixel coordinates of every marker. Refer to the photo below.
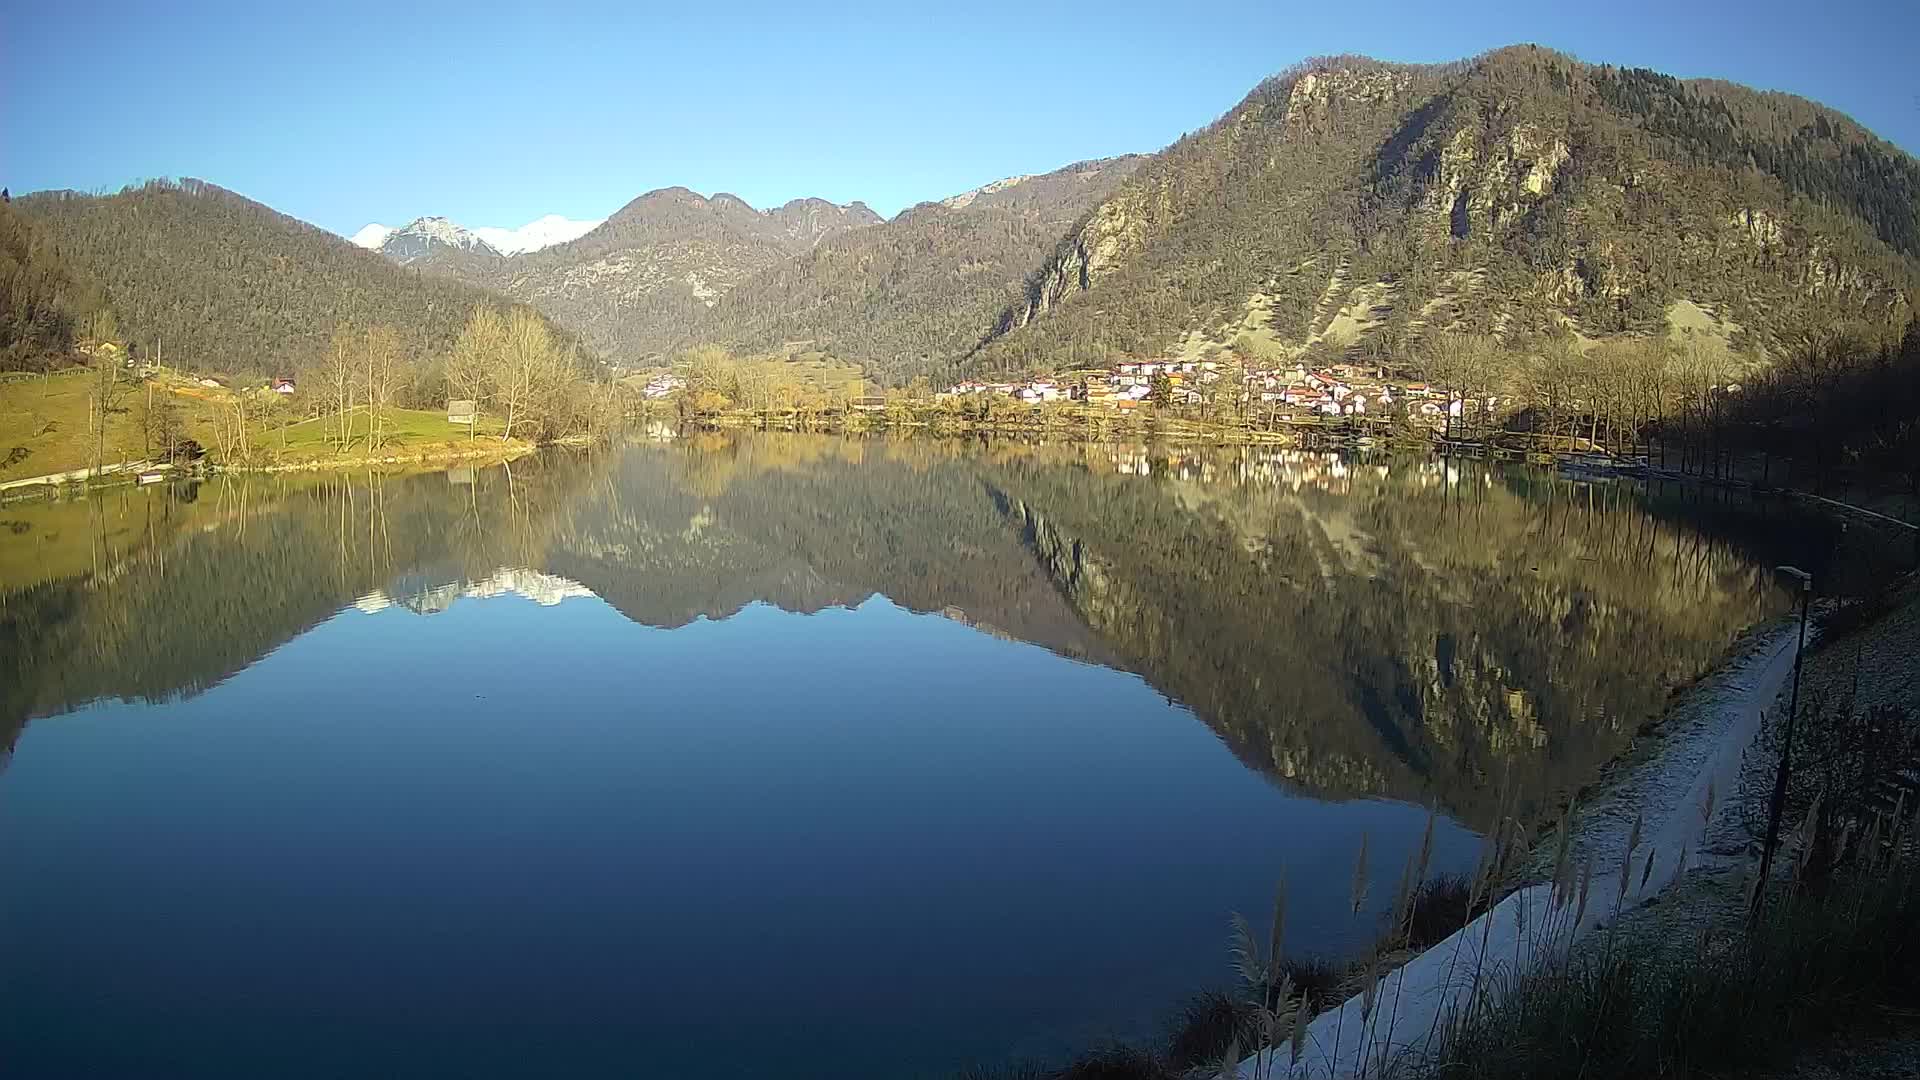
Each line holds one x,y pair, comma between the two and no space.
1720,1004
1838,933
1441,906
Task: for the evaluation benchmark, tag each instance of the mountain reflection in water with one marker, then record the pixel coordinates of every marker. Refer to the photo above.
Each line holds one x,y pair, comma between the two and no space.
1419,629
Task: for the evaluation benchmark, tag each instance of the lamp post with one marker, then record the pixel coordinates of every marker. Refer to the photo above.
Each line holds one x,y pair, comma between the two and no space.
1778,804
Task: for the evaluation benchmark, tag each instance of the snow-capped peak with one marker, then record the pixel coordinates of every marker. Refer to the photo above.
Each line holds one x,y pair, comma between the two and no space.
412,240
540,233
419,237
372,236
442,231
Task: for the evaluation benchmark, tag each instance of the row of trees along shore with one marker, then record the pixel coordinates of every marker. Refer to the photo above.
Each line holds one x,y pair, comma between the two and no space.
1840,402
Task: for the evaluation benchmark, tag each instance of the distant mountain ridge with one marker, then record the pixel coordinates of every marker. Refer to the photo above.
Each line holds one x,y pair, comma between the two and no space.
673,268
541,232
630,282
905,296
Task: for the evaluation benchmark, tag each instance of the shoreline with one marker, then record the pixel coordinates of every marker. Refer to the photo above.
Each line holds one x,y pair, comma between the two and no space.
122,473
500,453
1682,786
1089,427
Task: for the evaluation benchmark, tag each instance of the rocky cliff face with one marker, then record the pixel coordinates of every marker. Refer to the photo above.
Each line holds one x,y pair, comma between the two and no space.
1101,597
1117,227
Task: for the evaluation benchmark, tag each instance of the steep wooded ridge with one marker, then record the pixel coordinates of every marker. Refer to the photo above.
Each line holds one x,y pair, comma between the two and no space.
226,284
44,300
632,286
904,297
1357,205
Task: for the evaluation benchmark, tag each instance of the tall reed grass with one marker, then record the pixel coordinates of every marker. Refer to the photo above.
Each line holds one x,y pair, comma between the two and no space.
1737,998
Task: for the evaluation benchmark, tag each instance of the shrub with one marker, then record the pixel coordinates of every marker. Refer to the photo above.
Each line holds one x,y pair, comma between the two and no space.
1207,1026
1440,906
1320,979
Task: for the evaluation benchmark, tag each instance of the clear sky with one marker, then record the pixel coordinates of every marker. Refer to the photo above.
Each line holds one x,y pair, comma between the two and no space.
348,112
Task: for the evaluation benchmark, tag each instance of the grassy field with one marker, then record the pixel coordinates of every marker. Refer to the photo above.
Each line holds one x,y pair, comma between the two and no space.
46,426
45,422
402,431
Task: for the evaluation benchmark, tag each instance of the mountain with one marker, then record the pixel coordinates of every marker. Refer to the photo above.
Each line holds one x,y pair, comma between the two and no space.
371,236
1354,205
540,233
543,232
632,283
223,283
903,297
427,237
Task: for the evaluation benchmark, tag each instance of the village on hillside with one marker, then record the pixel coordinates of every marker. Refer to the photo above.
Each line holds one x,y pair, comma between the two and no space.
1340,389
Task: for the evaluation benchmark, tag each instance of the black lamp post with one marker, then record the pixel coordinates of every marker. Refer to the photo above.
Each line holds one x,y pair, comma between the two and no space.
1778,804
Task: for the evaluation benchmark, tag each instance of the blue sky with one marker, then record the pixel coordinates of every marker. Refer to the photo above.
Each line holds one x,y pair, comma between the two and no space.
345,113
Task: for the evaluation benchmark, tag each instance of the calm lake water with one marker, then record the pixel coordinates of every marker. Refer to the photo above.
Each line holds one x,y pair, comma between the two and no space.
782,755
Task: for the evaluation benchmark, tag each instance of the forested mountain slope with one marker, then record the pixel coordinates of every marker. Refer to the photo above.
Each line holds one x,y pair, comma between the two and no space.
904,297
45,301
1356,205
636,283
222,283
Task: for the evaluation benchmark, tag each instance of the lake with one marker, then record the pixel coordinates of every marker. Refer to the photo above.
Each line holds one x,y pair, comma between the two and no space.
785,755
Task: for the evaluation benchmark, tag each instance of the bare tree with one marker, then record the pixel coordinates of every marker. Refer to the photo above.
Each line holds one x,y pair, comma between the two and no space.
233,425
1462,365
476,354
339,382
160,422
516,378
105,388
380,360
